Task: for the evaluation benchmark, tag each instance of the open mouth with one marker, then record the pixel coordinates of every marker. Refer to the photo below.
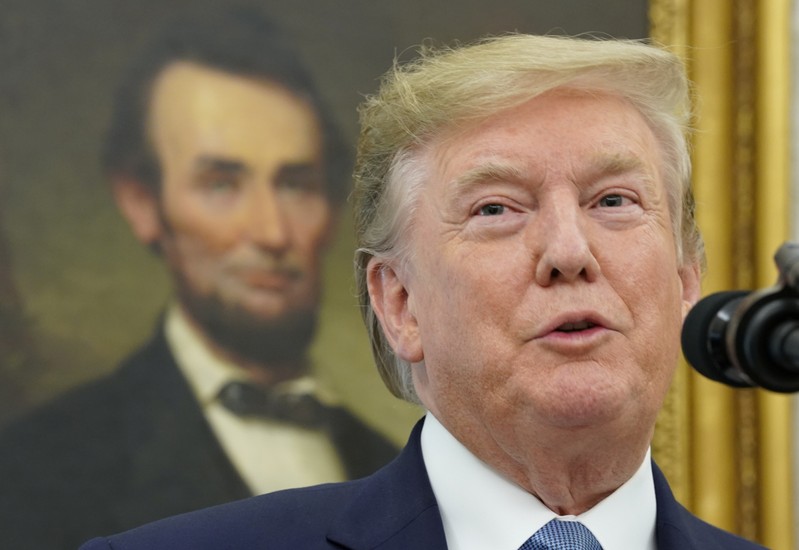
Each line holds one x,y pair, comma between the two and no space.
575,327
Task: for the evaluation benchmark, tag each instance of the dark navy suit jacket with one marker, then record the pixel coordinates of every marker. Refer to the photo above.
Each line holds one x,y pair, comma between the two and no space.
394,509
130,448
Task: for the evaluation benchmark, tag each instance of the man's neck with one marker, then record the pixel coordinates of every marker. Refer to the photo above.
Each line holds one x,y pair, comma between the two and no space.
570,471
570,482
482,509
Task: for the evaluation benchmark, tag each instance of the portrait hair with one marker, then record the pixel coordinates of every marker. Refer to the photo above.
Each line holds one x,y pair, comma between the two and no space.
238,41
445,89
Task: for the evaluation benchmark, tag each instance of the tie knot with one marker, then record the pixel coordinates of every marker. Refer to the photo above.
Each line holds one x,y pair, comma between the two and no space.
562,535
247,400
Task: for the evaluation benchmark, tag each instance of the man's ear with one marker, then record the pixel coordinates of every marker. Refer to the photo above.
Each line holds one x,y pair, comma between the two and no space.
691,278
139,205
394,307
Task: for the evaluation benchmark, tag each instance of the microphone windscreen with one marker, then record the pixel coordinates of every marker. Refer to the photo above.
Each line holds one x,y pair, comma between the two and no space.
703,339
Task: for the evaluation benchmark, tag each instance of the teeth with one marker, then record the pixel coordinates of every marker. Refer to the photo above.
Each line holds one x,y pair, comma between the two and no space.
573,327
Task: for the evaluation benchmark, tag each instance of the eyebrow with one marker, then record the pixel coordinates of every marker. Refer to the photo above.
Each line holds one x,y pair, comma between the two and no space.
207,163
299,168
303,170
603,164
617,163
492,171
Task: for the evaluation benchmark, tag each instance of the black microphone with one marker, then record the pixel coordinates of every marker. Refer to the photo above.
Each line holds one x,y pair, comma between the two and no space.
747,339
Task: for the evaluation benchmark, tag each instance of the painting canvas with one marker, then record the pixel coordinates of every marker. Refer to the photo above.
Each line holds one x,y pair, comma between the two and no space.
77,292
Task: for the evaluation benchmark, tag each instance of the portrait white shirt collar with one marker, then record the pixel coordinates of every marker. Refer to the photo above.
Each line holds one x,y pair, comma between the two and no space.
481,509
269,455
205,373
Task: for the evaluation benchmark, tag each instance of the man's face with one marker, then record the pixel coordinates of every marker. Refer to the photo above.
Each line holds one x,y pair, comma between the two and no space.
543,289
244,215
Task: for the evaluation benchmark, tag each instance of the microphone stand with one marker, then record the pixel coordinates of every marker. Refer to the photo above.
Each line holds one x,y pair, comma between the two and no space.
762,338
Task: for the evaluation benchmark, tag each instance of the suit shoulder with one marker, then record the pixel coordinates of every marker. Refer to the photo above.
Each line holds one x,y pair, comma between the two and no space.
677,527
707,537
297,518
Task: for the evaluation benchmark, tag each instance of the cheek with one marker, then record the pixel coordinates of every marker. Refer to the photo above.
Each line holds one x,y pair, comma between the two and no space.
464,315
311,228
193,259
196,227
657,308
459,292
196,246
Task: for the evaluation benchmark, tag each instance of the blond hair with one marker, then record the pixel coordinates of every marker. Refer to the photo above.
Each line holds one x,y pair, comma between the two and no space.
447,87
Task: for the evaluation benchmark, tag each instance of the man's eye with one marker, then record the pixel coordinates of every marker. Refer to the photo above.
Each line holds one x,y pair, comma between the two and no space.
611,201
298,183
491,210
305,178
219,184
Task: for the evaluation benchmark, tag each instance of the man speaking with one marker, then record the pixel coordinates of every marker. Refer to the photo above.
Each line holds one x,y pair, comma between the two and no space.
527,255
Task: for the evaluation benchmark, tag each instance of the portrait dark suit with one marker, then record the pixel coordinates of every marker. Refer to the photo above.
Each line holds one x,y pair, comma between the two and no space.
130,448
394,509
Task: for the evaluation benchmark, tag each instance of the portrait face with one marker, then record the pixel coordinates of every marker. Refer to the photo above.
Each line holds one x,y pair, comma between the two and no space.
543,289
242,217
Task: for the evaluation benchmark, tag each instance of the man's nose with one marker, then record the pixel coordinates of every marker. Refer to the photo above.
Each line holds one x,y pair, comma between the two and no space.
563,246
267,223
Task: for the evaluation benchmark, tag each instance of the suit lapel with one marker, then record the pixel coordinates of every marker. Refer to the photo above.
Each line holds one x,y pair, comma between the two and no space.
670,529
676,528
395,510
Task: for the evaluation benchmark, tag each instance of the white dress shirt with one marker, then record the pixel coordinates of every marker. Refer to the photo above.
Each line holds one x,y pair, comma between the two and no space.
482,509
269,455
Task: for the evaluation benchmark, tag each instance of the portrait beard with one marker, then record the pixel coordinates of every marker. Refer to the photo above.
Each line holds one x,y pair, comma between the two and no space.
279,342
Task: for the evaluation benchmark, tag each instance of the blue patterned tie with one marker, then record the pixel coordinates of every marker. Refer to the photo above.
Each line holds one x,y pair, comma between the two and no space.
562,535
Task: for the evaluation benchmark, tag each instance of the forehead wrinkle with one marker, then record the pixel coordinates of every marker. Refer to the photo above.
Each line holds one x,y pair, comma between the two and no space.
490,171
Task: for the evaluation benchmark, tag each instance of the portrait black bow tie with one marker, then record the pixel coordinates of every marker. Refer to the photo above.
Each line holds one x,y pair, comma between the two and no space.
247,400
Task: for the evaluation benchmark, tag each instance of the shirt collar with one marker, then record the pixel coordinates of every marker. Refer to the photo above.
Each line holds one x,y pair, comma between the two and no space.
482,509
